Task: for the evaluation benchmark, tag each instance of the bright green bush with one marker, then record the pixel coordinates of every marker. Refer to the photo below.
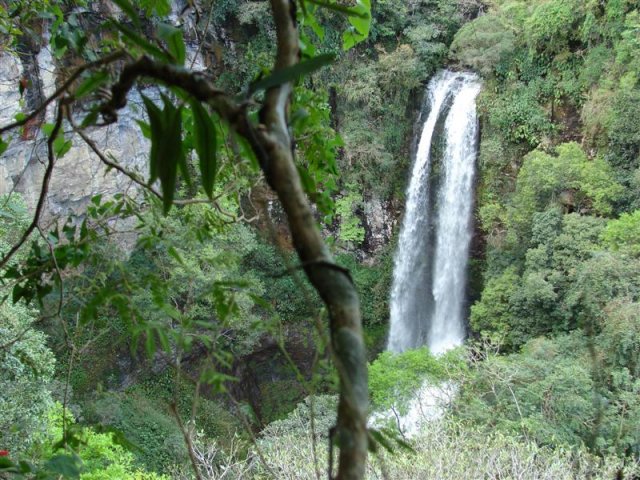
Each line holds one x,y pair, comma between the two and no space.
483,43
552,24
518,116
623,234
560,392
394,378
26,371
606,277
26,362
351,229
100,457
568,179
491,315
619,340
624,130
155,432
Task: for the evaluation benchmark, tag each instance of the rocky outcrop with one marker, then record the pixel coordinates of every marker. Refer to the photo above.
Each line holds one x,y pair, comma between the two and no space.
26,79
78,175
379,220
268,380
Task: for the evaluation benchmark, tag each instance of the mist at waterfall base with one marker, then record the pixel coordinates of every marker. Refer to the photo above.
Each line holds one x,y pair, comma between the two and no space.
429,277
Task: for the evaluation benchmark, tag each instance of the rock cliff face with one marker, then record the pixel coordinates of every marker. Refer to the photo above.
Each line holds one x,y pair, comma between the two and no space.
379,221
79,174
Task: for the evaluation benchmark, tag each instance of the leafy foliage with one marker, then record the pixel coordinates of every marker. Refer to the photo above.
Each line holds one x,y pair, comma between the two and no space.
569,179
26,362
99,456
27,370
624,233
395,378
548,393
351,229
443,449
483,44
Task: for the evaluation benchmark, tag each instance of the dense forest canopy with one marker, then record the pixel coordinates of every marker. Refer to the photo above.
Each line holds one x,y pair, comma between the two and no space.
212,314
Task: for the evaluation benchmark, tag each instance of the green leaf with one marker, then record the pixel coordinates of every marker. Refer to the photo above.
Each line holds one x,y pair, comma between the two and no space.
360,24
61,146
174,40
91,83
204,133
90,118
170,153
348,11
144,44
361,17
164,340
7,465
47,129
144,128
118,437
175,255
377,437
3,146
307,181
149,343
292,73
311,22
162,8
25,467
129,10
20,292
156,133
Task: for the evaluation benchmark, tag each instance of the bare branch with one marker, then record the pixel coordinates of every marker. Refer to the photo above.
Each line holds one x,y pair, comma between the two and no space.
187,438
197,84
334,286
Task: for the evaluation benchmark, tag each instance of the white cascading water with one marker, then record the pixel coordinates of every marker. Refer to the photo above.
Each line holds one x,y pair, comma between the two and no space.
429,278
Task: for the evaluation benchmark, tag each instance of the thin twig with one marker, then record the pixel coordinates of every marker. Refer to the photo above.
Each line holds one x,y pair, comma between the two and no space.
188,441
202,40
71,344
15,340
252,435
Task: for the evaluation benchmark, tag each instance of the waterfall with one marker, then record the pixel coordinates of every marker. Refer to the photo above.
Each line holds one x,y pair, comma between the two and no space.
429,277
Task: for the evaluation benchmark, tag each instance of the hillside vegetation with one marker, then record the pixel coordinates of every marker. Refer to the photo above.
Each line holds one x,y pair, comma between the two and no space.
142,342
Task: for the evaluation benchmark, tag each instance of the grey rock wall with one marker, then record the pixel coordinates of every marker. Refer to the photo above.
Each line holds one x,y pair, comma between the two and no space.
78,175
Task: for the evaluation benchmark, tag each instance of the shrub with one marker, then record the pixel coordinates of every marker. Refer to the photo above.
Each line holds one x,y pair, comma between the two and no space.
623,234
483,43
518,116
100,457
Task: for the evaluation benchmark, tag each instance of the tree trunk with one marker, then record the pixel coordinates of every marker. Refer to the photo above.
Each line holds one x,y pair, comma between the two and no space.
332,283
